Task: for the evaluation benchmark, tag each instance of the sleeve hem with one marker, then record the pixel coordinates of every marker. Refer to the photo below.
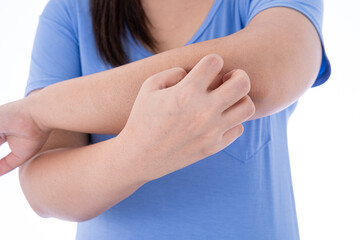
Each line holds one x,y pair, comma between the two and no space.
32,86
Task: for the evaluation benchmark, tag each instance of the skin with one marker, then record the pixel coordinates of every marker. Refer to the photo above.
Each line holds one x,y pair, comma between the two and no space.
281,57
161,136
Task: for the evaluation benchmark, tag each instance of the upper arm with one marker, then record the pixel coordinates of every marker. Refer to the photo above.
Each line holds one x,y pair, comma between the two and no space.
289,43
312,10
283,57
55,55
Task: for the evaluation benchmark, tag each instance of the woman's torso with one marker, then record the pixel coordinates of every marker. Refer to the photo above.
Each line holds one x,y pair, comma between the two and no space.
242,191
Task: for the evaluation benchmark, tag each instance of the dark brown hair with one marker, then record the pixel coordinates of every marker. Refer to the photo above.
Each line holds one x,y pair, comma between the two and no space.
111,19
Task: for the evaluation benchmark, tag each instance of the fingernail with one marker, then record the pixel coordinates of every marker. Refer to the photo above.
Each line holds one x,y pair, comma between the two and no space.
215,61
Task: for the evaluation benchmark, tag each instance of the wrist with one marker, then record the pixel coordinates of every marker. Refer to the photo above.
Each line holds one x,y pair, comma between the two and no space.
137,156
34,108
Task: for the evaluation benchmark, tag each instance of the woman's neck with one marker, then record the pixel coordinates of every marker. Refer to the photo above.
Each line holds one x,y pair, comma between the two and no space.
174,22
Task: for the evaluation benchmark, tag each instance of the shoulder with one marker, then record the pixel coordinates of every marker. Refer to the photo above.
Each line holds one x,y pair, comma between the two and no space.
66,9
67,13
312,9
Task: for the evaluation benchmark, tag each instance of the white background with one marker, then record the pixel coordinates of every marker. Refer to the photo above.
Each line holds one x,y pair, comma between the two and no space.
324,132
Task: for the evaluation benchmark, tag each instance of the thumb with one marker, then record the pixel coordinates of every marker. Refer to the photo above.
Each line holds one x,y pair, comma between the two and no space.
165,79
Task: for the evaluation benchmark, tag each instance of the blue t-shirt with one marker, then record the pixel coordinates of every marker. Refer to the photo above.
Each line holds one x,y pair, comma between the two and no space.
242,192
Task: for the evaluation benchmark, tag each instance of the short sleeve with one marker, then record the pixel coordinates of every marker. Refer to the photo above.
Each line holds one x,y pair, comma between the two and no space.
55,55
312,9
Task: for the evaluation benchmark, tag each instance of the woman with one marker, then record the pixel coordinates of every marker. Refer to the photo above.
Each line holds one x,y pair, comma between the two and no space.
243,191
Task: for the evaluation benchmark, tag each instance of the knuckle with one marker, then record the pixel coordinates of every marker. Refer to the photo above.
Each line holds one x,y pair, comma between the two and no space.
178,72
214,59
243,80
242,74
182,97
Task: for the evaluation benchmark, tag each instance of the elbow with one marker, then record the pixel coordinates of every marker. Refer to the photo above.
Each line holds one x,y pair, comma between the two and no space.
48,206
26,183
277,95
70,214
31,193
66,213
278,85
266,103
76,216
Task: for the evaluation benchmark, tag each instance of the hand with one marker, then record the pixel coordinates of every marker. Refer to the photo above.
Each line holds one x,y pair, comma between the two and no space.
24,136
174,124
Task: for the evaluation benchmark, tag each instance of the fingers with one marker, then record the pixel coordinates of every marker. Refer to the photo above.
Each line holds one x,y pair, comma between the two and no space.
164,79
8,163
231,135
228,76
239,112
236,85
203,74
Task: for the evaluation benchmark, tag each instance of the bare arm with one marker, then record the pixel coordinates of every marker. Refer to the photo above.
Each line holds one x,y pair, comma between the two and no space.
162,135
75,182
281,57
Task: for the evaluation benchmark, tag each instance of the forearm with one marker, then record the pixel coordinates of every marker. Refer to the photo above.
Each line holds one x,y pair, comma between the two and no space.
80,183
101,103
281,64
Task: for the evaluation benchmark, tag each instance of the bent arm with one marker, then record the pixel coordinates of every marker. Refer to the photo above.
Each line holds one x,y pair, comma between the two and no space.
281,57
79,183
